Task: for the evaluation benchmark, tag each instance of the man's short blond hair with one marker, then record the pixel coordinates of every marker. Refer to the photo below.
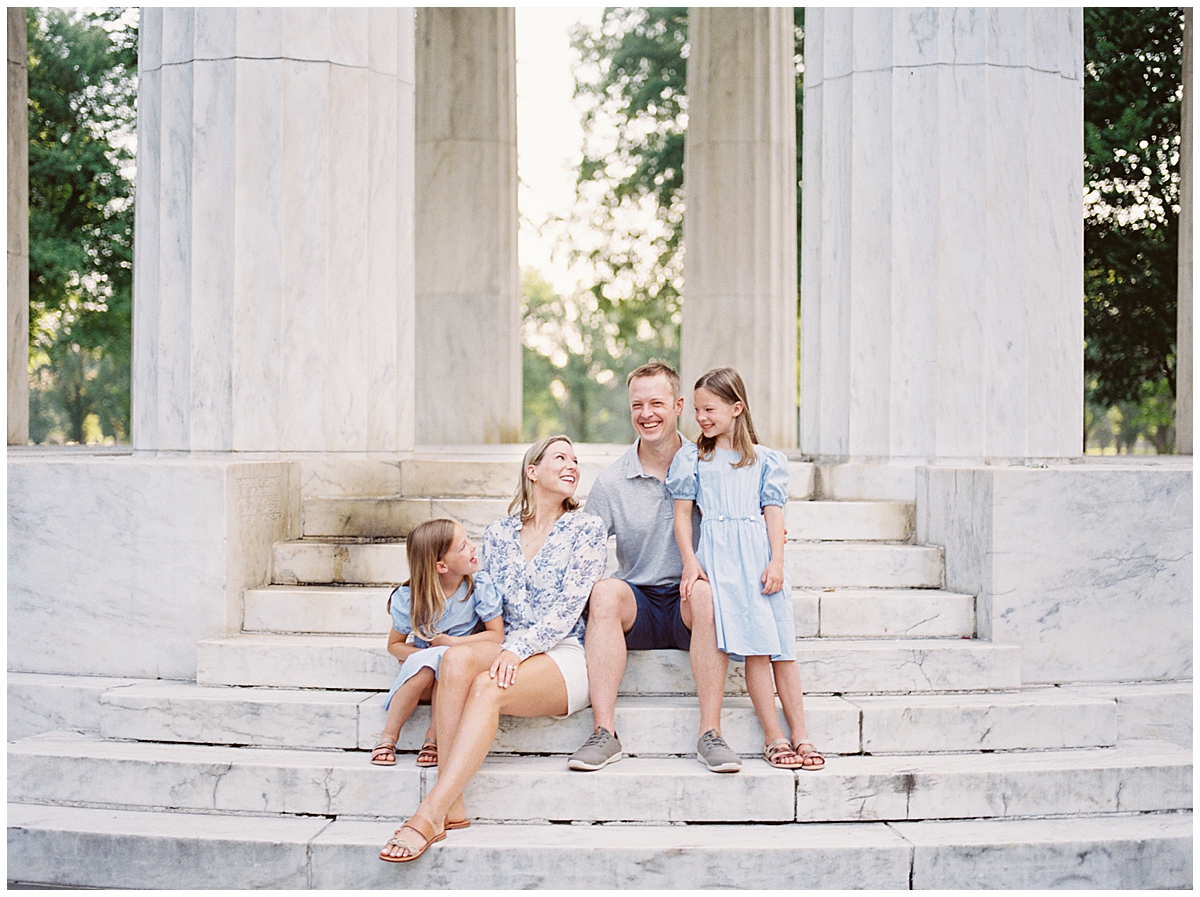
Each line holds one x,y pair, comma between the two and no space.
656,369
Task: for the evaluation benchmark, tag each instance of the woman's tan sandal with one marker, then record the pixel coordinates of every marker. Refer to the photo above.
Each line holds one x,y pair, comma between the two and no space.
419,826
811,754
428,755
779,754
454,824
384,753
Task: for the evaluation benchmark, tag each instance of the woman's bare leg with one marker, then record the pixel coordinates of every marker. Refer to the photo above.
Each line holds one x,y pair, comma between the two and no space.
538,691
459,669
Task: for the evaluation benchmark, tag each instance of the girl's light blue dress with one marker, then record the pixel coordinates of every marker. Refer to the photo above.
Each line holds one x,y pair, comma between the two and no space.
734,549
459,618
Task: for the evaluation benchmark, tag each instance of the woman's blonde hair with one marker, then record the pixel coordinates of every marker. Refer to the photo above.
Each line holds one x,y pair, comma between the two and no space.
726,384
427,544
523,501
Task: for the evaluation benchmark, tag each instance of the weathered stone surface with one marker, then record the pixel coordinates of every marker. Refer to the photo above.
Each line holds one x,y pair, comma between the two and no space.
1125,852
44,702
1087,566
112,848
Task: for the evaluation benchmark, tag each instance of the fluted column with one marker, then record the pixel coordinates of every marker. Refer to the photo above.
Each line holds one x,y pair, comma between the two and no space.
942,307
273,273
18,228
468,312
739,225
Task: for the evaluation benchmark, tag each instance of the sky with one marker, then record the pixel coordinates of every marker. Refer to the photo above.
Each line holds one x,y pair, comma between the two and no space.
549,137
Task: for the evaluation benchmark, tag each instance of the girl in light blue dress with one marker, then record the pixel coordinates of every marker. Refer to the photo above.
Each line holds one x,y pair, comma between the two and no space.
442,561
741,488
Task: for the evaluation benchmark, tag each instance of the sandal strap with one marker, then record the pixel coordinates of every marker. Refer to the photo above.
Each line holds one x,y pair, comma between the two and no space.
779,746
421,826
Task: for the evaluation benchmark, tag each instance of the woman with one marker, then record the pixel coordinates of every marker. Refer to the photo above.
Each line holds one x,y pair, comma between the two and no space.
543,559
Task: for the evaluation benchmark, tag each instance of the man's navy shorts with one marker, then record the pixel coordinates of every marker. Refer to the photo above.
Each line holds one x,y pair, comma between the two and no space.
658,623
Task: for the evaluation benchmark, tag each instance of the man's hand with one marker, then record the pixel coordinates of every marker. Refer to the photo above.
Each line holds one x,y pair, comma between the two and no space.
692,573
772,578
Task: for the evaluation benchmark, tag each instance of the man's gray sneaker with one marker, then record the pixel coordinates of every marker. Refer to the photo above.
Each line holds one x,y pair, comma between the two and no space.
713,752
601,749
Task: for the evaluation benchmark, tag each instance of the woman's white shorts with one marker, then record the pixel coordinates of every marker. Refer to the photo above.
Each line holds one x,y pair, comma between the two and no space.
572,663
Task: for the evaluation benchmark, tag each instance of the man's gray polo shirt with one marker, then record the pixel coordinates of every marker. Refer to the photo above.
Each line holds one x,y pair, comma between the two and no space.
639,511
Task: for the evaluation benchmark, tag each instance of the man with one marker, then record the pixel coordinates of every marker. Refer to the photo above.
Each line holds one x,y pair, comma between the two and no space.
641,609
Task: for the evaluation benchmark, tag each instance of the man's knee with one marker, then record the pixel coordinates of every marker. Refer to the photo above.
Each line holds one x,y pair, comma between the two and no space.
612,601
701,601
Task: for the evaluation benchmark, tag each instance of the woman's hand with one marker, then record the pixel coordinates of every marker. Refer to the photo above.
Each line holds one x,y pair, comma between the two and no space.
504,668
692,572
772,578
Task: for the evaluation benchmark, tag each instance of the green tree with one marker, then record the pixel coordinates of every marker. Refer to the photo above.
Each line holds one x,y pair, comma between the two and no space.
632,84
82,90
1132,92
570,361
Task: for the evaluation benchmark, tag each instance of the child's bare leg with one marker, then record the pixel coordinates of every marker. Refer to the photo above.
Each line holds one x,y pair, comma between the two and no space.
431,729
405,701
762,695
791,696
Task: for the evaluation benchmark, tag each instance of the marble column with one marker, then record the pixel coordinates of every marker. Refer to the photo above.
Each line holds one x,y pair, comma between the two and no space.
1183,339
468,305
942,257
18,229
273,271
739,225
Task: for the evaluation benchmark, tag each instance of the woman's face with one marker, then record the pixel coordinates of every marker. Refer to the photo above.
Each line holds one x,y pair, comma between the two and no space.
558,471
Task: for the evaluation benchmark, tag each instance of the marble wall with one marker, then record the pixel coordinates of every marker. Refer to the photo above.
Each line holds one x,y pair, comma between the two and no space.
468,302
1086,566
1183,353
739,228
119,565
942,293
18,229
273,271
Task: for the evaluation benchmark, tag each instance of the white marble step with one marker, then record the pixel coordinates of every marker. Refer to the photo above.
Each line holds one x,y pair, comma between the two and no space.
1037,719
809,564
105,848
494,475
865,613
826,665
1131,777
395,517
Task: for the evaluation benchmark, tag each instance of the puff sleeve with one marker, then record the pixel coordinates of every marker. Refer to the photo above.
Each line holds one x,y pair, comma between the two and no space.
683,476
401,608
773,487
488,603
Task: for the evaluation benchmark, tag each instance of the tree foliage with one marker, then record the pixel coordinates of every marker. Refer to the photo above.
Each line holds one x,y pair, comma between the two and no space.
1132,93
82,90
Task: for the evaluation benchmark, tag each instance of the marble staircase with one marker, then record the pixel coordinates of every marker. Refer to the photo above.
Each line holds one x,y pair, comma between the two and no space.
943,769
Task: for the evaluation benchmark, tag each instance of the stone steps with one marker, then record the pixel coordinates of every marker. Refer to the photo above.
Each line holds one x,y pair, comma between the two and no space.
1138,777
826,665
1037,719
395,517
866,613
809,564
112,848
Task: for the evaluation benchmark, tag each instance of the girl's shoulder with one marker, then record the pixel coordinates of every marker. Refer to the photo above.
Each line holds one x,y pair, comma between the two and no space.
771,457
401,596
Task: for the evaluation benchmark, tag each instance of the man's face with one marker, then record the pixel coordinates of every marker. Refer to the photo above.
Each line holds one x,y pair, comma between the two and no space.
653,409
